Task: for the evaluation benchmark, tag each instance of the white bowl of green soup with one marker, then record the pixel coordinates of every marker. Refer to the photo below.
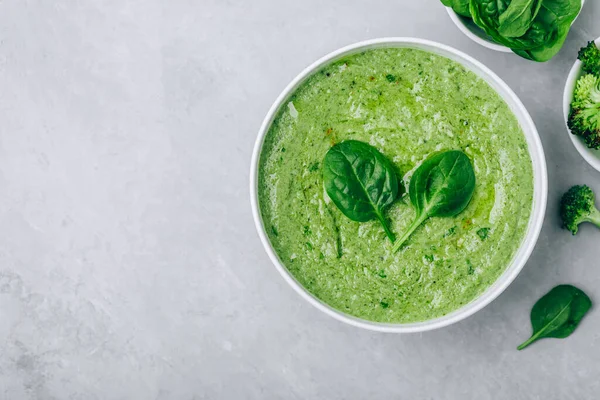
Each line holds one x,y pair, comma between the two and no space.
409,99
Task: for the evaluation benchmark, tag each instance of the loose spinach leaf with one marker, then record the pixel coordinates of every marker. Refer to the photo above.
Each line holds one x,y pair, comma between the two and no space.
360,181
558,313
441,187
518,17
460,7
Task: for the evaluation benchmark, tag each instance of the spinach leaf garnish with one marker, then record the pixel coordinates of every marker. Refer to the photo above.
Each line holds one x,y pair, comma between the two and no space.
360,181
441,187
558,313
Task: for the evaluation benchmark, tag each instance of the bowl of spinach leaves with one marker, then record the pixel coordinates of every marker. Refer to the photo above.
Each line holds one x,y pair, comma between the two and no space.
533,29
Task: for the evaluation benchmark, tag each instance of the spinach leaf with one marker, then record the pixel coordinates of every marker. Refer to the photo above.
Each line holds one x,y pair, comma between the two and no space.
558,313
441,187
360,181
547,49
460,7
486,14
541,33
518,17
548,23
555,15
564,11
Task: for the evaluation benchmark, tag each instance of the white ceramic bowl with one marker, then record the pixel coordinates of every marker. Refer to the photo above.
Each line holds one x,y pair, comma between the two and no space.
539,171
590,155
476,34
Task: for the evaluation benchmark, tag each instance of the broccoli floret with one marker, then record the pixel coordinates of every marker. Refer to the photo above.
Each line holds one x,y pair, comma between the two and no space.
584,118
577,206
590,57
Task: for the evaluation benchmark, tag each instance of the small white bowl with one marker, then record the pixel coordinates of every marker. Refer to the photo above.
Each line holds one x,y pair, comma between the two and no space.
590,155
540,180
476,34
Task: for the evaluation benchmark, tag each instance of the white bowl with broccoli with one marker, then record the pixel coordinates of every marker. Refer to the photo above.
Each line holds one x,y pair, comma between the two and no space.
581,142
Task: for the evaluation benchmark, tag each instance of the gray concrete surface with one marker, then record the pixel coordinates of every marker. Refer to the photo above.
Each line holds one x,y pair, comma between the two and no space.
129,263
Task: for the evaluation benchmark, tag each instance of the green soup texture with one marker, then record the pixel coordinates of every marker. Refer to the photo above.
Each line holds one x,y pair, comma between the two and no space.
408,103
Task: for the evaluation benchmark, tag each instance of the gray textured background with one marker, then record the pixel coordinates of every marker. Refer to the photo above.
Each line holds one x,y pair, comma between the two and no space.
129,263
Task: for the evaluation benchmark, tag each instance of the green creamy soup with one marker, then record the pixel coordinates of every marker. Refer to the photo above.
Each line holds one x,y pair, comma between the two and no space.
409,104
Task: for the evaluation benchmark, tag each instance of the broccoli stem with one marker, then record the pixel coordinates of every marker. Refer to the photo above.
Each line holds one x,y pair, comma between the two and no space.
594,217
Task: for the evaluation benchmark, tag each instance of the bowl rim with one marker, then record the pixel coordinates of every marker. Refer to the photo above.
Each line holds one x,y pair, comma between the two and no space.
457,19
592,157
539,200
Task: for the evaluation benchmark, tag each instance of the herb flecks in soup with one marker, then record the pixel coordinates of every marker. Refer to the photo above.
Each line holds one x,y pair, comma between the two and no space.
408,104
